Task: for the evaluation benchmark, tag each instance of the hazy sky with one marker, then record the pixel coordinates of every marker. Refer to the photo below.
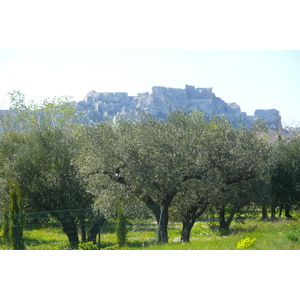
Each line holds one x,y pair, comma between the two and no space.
245,70
253,79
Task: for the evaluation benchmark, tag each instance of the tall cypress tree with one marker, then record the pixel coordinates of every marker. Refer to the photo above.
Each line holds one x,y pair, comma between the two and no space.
121,229
15,230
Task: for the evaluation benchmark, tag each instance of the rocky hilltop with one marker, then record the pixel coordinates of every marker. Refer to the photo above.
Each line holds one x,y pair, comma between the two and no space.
97,106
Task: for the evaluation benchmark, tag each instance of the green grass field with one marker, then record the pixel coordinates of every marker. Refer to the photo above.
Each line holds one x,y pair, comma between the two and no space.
281,234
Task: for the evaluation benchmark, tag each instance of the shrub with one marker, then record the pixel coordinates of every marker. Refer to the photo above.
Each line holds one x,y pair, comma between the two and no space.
292,236
87,246
113,247
245,243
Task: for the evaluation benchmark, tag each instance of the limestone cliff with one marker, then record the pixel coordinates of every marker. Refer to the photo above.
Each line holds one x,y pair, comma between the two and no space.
100,106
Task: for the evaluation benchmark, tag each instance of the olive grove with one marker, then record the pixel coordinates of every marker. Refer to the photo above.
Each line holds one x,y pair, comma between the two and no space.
182,167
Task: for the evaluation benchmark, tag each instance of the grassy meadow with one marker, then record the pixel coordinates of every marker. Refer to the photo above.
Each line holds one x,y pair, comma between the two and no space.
282,234
277,235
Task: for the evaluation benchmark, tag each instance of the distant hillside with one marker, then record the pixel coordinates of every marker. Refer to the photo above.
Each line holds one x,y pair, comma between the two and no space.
97,106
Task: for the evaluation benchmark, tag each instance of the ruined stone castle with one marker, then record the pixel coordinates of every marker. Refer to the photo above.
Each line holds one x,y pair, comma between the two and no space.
100,106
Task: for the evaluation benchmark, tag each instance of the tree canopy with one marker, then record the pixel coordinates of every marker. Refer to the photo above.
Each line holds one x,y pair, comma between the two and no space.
181,167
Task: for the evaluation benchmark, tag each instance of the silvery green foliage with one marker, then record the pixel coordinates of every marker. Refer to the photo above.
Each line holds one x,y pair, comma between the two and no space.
241,160
59,112
286,172
38,144
183,162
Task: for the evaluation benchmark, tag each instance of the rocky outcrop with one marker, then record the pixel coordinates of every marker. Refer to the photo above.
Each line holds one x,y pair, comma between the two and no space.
97,107
269,116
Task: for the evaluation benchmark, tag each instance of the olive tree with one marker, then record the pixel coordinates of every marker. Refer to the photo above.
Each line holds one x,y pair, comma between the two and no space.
148,161
183,163
286,176
191,202
239,159
38,145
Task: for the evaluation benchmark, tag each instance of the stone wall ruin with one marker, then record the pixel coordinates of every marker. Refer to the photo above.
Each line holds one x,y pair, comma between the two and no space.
97,106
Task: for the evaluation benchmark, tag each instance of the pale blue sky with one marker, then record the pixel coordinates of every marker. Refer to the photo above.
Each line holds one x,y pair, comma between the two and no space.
252,79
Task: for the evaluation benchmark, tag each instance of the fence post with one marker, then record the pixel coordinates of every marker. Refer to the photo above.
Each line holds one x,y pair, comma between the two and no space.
99,224
159,233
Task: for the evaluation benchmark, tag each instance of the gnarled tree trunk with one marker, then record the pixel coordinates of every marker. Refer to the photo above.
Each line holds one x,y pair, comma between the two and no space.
264,211
161,213
189,220
287,211
273,212
161,217
69,226
223,223
95,229
163,225
187,226
82,231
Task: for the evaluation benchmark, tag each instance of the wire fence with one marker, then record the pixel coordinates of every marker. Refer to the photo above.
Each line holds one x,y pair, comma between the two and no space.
84,229
90,229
